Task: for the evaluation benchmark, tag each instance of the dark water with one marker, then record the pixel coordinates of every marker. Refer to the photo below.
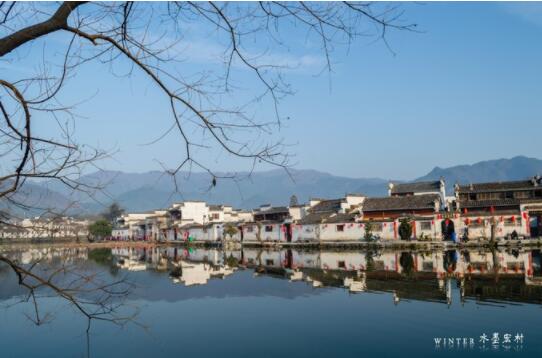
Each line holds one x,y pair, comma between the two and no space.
241,303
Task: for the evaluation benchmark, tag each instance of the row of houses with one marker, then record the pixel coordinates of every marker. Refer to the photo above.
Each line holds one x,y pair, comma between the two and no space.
44,228
501,209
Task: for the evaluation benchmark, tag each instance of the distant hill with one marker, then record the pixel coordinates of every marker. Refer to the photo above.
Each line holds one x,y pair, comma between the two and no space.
153,189
516,168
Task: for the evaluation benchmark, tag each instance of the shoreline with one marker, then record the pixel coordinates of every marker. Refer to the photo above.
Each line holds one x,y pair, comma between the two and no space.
341,245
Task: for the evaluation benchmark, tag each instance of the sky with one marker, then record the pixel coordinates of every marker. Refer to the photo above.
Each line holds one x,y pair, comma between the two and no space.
467,87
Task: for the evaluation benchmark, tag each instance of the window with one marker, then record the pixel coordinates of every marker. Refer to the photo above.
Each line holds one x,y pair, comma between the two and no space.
269,228
341,264
521,194
427,265
250,228
215,216
340,227
509,195
515,265
538,193
425,225
472,196
508,221
475,224
269,262
379,265
480,266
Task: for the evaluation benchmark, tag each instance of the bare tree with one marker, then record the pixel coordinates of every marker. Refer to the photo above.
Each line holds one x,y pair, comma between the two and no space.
209,110
148,38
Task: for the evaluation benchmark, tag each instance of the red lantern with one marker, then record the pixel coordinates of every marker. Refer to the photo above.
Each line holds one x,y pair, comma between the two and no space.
467,221
465,211
501,219
513,218
492,210
432,222
479,220
525,216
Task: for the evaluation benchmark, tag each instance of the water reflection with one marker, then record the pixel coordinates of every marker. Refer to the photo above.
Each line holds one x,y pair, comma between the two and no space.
190,283
507,276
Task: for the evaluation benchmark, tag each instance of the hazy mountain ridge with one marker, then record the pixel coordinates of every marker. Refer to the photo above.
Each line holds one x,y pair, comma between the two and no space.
516,168
154,189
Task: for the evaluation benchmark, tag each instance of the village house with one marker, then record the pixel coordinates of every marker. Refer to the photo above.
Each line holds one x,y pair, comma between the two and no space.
514,207
156,224
210,232
193,218
185,213
130,226
419,188
384,214
269,213
271,224
330,220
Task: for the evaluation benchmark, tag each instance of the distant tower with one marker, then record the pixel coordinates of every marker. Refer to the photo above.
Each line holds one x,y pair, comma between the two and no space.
390,188
293,200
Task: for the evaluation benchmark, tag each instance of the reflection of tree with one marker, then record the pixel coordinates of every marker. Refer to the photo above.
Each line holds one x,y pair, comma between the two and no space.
231,261
103,256
496,263
407,263
369,259
450,261
91,295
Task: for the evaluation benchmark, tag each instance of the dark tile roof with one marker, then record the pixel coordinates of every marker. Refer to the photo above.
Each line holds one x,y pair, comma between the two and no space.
313,218
502,212
488,203
499,186
341,218
332,205
412,202
416,187
327,217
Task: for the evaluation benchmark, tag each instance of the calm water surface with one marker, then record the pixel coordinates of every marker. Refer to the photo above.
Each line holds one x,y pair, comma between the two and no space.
252,302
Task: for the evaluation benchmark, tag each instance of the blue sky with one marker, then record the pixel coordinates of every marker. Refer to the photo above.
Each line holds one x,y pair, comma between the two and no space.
467,88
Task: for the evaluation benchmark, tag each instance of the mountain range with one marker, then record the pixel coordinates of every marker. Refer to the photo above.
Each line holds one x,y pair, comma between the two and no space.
154,189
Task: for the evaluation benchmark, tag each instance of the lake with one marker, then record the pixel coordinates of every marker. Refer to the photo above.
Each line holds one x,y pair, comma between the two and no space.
209,302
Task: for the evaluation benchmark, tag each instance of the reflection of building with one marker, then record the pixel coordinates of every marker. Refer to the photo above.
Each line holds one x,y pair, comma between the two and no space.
193,273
